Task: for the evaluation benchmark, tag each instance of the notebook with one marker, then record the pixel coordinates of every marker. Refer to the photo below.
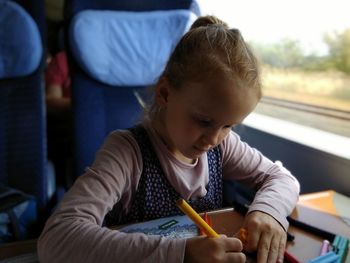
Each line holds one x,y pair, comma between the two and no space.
170,227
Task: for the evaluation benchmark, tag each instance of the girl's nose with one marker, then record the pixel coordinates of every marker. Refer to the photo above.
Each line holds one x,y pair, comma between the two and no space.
212,137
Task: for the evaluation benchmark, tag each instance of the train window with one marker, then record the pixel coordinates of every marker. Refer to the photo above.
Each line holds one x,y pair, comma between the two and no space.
304,50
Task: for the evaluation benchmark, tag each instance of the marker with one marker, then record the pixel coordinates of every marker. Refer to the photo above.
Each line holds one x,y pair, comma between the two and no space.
290,258
325,247
290,237
196,218
330,257
207,219
242,234
314,230
336,243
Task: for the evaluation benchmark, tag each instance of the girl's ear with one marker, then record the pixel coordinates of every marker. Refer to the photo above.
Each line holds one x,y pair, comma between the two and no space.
162,92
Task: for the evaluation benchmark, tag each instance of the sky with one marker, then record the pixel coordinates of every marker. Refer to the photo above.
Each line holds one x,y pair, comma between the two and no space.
269,21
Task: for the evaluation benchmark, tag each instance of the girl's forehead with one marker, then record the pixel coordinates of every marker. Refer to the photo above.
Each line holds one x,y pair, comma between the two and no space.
227,103
210,91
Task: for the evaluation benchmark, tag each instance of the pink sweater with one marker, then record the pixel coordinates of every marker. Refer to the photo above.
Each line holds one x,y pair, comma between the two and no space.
74,233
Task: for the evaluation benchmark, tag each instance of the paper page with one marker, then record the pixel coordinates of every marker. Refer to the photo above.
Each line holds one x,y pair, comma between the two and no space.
171,227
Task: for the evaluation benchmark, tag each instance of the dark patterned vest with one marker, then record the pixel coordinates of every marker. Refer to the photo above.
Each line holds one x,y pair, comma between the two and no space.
156,197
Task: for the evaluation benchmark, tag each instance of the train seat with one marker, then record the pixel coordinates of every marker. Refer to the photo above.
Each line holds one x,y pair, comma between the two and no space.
114,56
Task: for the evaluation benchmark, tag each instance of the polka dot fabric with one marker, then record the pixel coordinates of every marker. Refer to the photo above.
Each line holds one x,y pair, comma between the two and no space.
156,197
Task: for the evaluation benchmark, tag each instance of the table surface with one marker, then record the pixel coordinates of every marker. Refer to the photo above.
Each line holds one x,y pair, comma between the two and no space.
305,245
227,221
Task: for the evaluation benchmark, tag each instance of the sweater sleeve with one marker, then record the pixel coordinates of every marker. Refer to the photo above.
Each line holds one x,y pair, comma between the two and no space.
277,190
74,232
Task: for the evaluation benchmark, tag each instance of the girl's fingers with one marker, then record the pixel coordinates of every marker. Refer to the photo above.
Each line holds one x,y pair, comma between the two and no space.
282,248
263,248
235,257
274,249
233,245
252,240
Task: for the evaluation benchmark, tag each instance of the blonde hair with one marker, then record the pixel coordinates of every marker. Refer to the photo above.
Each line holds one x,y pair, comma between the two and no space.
210,50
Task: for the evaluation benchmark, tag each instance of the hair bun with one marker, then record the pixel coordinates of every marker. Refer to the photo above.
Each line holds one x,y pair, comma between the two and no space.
207,21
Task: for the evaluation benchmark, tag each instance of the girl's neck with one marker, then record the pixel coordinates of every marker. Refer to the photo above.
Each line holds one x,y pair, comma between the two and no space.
160,130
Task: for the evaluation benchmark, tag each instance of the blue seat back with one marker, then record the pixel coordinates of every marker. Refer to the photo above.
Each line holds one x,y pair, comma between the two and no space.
23,160
117,49
36,9
74,6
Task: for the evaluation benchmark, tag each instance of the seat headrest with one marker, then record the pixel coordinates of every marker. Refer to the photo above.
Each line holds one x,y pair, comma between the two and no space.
122,48
20,43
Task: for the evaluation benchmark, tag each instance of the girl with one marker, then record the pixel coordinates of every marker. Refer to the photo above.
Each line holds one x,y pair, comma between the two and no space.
184,148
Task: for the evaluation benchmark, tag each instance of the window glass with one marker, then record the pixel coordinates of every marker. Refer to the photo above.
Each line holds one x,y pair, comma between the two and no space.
304,50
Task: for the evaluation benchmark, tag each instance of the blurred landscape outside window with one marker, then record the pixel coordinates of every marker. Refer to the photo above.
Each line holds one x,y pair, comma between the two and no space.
304,51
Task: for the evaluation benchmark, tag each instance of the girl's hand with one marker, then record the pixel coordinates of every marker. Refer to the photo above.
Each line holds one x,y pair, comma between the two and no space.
266,236
206,249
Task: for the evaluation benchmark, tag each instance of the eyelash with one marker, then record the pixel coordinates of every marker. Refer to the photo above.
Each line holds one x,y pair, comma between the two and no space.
204,123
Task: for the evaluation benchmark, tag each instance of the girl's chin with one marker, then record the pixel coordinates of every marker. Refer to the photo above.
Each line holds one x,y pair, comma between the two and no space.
189,157
199,150
195,153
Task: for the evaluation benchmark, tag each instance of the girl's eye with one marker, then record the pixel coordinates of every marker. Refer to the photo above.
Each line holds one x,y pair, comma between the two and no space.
203,122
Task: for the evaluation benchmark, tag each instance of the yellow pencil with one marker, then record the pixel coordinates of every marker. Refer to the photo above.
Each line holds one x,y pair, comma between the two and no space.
196,218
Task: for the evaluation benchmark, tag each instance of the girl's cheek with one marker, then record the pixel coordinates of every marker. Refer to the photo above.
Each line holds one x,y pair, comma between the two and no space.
223,135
